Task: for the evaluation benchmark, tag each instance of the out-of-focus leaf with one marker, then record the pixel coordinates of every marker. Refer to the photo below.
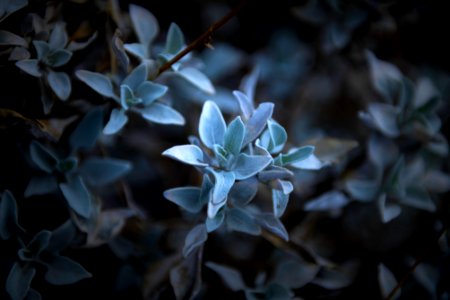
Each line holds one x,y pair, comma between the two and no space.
328,201
10,39
195,238
175,39
187,197
62,236
294,273
295,155
436,181
9,223
257,122
74,46
388,211
185,278
245,104
198,79
385,117
272,224
211,126
77,195
231,277
145,24
41,185
188,154
310,163
96,81
331,150
418,197
63,270
387,281
19,280
101,171
162,114
214,223
42,157
119,51
60,84
279,202
362,189
35,247
243,192
30,66
239,220
87,131
19,53
58,37
116,122
58,58
382,151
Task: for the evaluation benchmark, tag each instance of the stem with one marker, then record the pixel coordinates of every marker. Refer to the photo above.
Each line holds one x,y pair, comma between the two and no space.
204,38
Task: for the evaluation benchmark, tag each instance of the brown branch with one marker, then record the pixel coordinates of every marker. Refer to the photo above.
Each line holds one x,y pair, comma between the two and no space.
204,38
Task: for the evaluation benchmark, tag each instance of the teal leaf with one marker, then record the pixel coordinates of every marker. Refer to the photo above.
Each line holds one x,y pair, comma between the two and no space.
9,6
388,212
234,136
295,155
382,151
10,39
278,136
62,237
87,131
248,85
63,270
116,122
387,282
119,52
174,40
279,202
416,196
294,273
362,189
45,159
223,181
35,247
58,37
214,223
58,58
257,122
149,92
77,195
211,126
272,224
136,77
245,104
274,172
222,156
283,185
59,83
41,185
144,23
249,165
194,239
188,154
19,53
136,49
102,171
96,81
9,219
19,280
187,197
243,192
42,49
238,220
230,276
162,114
127,97
310,163
206,189
198,79
384,117
328,201
33,295
30,66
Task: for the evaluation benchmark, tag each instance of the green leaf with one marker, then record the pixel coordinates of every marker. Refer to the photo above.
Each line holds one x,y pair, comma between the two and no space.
188,154
46,160
98,82
87,131
194,239
63,270
187,197
9,219
77,195
60,84
239,220
231,277
234,136
211,126
19,280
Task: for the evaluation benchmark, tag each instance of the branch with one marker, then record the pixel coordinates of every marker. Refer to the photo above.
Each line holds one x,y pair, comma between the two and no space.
204,38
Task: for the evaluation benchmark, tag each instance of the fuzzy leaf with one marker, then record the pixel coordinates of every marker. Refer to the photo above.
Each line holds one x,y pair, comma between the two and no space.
30,66
77,195
243,191
272,224
239,220
198,79
162,114
43,158
194,239
257,122
60,84
187,197
96,81
211,126
9,223
188,154
274,172
249,165
295,155
234,136
175,39
136,49
144,23
116,122
245,104
19,280
231,277
328,201
63,270
278,136
58,58
149,92
136,77
310,163
279,202
214,223
101,171
223,181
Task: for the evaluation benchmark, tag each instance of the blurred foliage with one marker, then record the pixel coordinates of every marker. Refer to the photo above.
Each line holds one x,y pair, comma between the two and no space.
315,134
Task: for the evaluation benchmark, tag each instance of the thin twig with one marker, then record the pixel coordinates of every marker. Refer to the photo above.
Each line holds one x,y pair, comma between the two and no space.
204,38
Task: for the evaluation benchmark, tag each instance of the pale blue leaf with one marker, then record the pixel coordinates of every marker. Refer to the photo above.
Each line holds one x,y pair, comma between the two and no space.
187,197
294,273
278,136
222,61
206,189
116,122
9,219
77,195
63,270
243,192
295,155
230,276
384,76
58,37
310,163
42,49
75,46
58,58
197,78
96,81
234,136
45,159
245,104
249,165
211,126
222,156
257,122
384,117
136,77
19,280
144,23
137,50
127,97
283,185
239,220
279,202
223,181
101,171
30,66
248,85
10,39
274,172
387,282
214,223
194,239
328,201
60,84
174,40
188,154
362,189
272,224
387,211
87,131
41,185
119,52
162,114
149,92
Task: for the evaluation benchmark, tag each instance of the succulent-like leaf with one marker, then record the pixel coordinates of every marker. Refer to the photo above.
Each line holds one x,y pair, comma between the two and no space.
278,136
61,237
45,159
9,223
249,165
42,49
58,58
30,66
63,270
144,23
19,280
214,223
149,92
234,136
211,126
136,77
35,247
243,192
87,131
175,39
187,197
245,104
310,163
279,202
230,276
223,181
58,37
248,85
274,172
162,114
10,39
136,49
239,220
96,81
198,79
77,195
41,185
194,239
188,154
101,171
257,122
116,122
60,84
